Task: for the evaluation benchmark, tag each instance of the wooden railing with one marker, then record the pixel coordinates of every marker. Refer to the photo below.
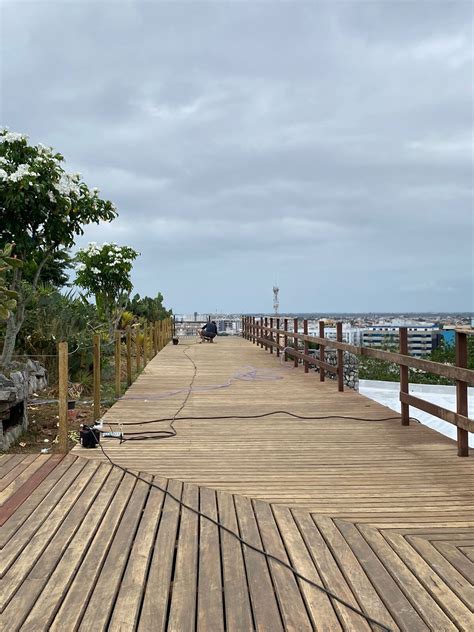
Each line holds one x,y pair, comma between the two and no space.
266,333
147,341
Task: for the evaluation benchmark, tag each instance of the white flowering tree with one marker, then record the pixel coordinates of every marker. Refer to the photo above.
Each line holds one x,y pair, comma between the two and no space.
42,209
104,273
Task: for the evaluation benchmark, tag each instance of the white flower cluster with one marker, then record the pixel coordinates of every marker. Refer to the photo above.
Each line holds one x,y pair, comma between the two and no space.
19,174
12,137
115,254
43,149
67,184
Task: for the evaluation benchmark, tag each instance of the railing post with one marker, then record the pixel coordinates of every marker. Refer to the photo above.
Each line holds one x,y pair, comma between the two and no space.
145,344
271,335
253,329
138,352
155,341
285,337
96,377
129,357
461,393
405,408
117,363
278,337
265,335
322,354
340,360
63,372
295,340
305,331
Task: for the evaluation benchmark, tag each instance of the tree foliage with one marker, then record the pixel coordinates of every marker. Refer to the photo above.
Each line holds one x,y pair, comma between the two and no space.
147,308
104,273
42,209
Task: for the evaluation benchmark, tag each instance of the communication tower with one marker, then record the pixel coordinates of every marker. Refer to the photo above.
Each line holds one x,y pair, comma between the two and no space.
276,303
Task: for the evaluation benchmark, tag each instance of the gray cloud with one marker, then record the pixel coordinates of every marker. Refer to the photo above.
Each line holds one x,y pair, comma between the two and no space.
323,146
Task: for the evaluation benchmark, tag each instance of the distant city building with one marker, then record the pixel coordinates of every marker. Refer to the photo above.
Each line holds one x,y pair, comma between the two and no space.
422,337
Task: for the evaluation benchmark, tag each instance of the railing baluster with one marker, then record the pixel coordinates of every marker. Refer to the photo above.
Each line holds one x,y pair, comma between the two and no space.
340,360
278,337
295,340
271,335
461,393
321,351
305,331
405,409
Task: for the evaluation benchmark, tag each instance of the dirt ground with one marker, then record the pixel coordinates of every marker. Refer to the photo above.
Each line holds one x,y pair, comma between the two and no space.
41,435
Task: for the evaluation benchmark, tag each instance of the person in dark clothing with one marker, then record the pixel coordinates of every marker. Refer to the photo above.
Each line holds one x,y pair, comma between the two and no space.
209,331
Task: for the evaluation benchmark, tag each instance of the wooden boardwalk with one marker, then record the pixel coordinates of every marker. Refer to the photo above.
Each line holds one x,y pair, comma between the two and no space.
378,514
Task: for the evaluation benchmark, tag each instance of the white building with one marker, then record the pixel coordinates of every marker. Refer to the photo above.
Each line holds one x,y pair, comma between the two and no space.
422,337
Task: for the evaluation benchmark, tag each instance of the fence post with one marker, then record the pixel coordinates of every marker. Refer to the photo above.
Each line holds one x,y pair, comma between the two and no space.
96,374
271,335
405,409
145,344
305,331
278,337
340,360
461,392
295,340
129,357
285,338
117,363
137,350
63,372
322,355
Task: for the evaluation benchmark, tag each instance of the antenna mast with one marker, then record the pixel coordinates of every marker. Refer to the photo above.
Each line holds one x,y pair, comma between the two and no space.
276,303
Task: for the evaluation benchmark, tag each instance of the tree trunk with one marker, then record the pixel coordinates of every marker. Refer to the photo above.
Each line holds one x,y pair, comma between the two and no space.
14,323
15,320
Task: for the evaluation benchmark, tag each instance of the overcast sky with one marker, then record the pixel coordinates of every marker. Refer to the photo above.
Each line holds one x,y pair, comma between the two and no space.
324,147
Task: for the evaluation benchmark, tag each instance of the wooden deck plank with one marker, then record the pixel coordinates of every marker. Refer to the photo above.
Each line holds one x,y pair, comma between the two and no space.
238,613
127,605
210,612
264,603
182,615
155,603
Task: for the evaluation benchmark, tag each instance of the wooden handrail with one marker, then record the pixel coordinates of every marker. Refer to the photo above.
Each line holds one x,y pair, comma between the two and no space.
444,370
